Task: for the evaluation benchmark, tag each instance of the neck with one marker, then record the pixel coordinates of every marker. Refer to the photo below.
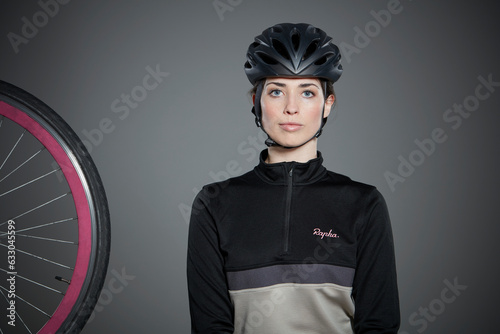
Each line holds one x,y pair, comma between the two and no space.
303,153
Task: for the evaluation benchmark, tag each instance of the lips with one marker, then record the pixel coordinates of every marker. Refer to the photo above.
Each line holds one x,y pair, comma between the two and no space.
290,126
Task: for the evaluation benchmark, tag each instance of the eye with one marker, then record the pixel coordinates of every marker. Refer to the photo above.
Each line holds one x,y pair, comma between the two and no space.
308,93
275,92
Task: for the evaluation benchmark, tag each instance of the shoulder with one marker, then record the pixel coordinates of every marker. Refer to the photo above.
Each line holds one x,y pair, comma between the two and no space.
246,178
349,185
228,187
352,193
365,200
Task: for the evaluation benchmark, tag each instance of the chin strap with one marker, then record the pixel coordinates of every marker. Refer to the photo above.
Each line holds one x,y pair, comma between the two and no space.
256,110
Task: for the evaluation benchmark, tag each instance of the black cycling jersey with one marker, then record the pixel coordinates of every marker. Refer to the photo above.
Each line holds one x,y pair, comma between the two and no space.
291,248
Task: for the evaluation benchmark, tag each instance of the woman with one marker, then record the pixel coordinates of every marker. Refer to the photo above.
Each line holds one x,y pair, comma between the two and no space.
290,247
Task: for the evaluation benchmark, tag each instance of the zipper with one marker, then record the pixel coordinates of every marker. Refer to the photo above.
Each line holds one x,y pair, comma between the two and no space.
287,210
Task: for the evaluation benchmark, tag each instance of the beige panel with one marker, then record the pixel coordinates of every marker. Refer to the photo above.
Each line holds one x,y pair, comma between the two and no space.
294,309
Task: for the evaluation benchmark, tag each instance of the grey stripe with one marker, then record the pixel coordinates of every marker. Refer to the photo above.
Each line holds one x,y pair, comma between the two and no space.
290,273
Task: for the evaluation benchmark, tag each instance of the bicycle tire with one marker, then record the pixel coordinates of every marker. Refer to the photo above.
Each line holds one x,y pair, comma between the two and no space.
89,199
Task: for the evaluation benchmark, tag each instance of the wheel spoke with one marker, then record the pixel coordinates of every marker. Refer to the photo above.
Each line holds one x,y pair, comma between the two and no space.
38,207
39,284
38,257
13,148
43,148
38,226
17,314
29,182
47,239
27,302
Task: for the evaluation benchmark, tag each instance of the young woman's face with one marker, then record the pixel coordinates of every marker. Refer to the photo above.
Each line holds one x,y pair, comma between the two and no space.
292,109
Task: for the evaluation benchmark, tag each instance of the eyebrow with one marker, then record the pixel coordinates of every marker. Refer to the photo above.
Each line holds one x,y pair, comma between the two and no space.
303,85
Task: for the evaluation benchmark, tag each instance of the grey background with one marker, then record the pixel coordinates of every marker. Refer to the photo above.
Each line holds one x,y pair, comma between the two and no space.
393,91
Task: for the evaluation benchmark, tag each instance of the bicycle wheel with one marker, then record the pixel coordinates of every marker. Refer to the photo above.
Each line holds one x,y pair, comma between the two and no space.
54,220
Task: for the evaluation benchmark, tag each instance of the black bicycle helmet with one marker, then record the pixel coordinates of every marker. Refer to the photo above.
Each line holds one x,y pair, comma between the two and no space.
291,50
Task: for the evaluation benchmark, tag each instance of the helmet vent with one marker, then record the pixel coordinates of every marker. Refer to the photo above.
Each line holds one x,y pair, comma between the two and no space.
320,61
254,44
266,59
310,50
324,59
295,40
280,48
250,61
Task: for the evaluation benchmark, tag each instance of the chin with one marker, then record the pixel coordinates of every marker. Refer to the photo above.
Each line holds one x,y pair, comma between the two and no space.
290,139
291,142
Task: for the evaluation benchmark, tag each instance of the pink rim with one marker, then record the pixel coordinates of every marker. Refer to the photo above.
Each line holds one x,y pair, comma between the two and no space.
82,210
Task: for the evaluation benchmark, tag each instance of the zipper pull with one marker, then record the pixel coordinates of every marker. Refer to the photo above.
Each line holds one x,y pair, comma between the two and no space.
290,172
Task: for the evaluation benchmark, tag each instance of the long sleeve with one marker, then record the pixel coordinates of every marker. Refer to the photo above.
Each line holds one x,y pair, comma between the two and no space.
375,290
210,305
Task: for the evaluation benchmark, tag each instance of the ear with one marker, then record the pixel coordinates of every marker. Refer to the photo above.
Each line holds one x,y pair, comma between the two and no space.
253,99
330,100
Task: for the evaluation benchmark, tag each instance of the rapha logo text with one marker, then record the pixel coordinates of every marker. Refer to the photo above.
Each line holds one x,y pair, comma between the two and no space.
317,231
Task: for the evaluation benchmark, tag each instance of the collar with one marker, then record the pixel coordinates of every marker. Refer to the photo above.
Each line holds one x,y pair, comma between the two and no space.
278,173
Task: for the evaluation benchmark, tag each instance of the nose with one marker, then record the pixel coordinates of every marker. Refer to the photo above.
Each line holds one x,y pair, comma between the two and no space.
291,106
